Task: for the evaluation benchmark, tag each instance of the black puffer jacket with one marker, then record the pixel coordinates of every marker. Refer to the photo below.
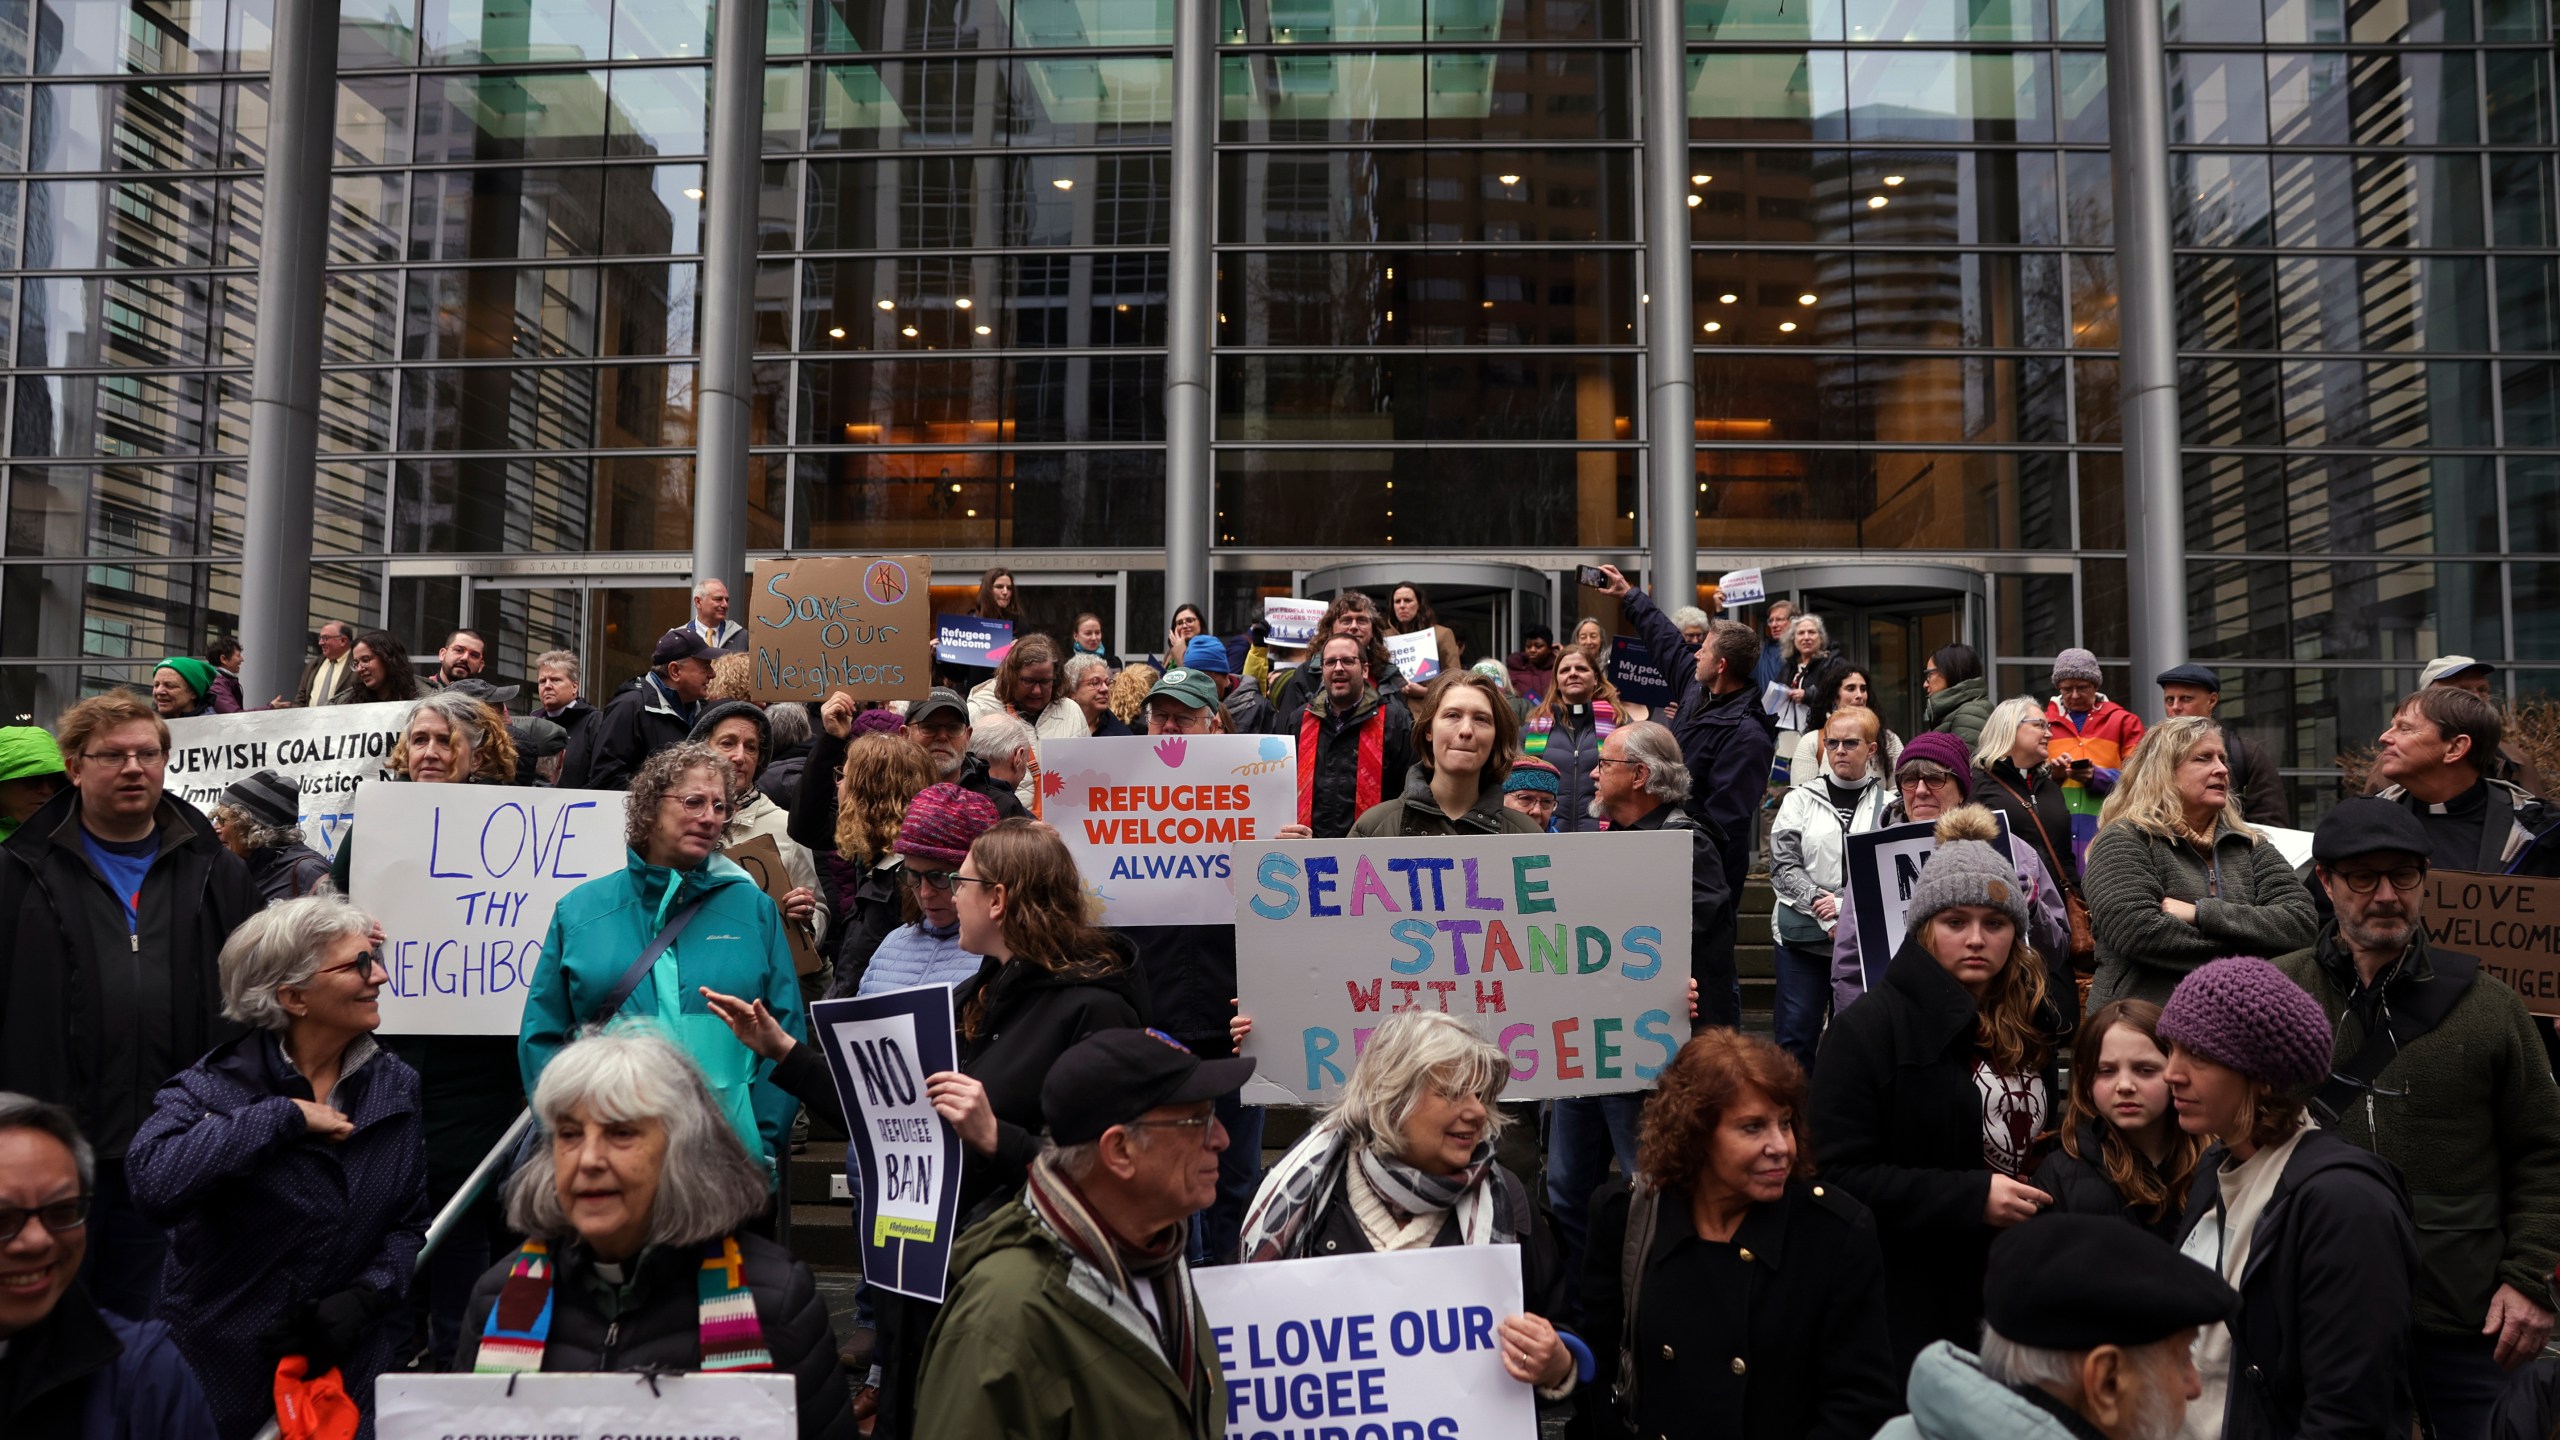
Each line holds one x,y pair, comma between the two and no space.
1029,1018
655,1322
2079,1186
287,872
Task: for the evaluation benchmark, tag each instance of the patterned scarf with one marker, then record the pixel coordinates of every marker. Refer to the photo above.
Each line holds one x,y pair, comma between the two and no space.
1176,1313
1533,736
1282,1223
519,1326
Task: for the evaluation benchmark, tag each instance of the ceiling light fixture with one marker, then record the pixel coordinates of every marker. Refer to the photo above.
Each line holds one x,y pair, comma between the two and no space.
909,331
888,304
1727,298
1508,179
1700,179
1787,327
1876,202
986,330
1806,298
1063,183
964,302
1713,326
1697,200
837,333
1893,179
693,192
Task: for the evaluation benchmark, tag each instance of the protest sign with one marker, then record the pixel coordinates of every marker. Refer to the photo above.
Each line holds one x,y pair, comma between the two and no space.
330,750
2511,922
1740,587
1571,952
1342,1345
1149,820
862,625
968,640
423,1406
1881,867
1632,670
1417,655
463,879
1293,622
880,1048
763,862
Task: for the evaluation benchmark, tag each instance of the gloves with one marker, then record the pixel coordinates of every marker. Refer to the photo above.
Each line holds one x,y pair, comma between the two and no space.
328,1329
1260,631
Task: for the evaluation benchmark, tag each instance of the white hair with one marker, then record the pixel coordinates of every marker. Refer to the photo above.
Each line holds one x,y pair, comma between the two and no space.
705,583
2011,1363
1666,775
1821,631
282,945
997,736
1687,616
2000,731
1079,665
1412,1050
707,1183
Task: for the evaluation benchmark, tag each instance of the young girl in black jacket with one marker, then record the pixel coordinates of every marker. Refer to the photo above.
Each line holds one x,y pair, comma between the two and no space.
2120,1150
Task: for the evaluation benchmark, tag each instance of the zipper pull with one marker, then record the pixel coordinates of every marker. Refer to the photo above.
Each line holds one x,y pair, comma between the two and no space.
612,1330
2371,1131
134,939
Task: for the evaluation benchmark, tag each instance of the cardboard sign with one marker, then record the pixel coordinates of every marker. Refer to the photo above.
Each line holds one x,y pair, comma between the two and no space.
1149,820
410,1406
1395,1344
1293,622
1571,952
880,1048
1740,587
862,625
968,640
330,750
1881,866
1638,679
1417,655
2511,922
463,879
763,862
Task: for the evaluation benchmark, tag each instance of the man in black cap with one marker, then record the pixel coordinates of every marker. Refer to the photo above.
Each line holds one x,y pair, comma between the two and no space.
2438,1069
1071,1311
652,715
2193,689
2086,1327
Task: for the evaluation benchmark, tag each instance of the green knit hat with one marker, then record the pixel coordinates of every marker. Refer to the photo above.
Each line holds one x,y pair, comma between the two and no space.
197,674
27,751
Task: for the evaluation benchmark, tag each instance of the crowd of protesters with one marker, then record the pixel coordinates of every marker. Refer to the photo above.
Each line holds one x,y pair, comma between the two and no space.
2142,1132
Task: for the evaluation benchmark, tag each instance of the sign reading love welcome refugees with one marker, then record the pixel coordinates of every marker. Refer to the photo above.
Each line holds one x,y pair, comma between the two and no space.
1570,952
463,879
862,625
1149,818
329,750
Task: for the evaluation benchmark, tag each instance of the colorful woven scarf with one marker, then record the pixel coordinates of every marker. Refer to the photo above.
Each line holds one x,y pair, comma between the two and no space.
1533,736
1158,1265
519,1326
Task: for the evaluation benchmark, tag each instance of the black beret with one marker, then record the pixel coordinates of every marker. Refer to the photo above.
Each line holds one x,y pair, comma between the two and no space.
2076,1282
2367,825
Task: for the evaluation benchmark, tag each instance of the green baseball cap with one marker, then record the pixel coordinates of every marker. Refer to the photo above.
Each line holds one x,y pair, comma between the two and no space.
1197,689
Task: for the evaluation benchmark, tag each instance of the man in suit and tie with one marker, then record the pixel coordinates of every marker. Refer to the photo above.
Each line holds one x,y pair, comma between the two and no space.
711,618
330,679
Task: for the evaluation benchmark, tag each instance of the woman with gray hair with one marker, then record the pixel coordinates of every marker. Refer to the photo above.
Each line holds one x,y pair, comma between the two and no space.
290,1166
636,1259
260,820
1405,1161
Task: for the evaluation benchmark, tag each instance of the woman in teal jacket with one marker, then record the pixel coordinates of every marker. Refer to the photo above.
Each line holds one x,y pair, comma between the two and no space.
732,941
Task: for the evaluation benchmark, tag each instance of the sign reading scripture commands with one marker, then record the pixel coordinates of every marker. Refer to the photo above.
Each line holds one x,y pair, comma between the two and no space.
585,1407
859,624
1149,819
463,879
1571,952
880,1048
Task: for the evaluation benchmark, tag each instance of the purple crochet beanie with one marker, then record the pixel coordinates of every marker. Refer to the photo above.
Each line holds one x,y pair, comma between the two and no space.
944,821
2242,1012
879,722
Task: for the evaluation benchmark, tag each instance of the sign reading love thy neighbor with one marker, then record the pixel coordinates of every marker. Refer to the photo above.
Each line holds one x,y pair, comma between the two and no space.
862,625
585,1406
329,750
1571,952
463,879
2511,922
1344,1345
906,1157
1881,866
1149,818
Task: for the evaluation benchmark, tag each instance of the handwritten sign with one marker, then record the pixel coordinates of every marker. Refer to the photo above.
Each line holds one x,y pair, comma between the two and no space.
2511,922
1348,1345
862,625
463,879
968,640
763,862
1149,820
584,1406
330,751
1881,866
1571,952
1632,671
880,1048
1417,655
1293,622
1740,587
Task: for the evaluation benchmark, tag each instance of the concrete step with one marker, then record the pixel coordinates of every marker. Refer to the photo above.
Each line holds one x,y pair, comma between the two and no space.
824,1235
811,1170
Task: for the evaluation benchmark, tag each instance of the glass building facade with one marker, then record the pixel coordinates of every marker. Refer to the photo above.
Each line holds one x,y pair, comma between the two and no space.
1431,314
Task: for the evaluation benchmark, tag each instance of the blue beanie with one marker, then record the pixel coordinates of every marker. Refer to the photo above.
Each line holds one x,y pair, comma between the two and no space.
1207,653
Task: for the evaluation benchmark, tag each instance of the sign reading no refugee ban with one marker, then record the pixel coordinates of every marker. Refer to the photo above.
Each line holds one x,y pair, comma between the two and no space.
331,750
463,879
859,624
1343,1346
2511,922
585,1406
1881,866
880,1048
1149,819
1571,952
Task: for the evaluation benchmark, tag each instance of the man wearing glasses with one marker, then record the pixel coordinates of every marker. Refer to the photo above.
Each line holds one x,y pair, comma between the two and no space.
1354,746
2437,1069
115,901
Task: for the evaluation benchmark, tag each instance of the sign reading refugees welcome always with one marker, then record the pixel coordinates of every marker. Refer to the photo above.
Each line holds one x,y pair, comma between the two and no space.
1149,819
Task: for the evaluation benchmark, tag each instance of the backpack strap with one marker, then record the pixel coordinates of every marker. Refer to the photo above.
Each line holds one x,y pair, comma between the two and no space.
649,954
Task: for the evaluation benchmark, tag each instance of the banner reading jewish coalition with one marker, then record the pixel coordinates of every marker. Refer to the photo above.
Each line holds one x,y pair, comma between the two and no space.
880,1048
862,625
329,750
584,1407
463,879
1149,819
1571,952
1881,866
1348,1346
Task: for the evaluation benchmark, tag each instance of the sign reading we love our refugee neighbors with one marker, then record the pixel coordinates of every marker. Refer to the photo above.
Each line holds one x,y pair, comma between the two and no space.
858,624
1149,819
1571,952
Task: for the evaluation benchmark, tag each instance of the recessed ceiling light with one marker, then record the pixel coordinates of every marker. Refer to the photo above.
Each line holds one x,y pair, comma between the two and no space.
1697,200
1700,179
1714,325
888,304
1727,298
837,333
1806,298
1893,179
986,330
1063,183
908,330
964,302
1875,202
1508,179
1789,326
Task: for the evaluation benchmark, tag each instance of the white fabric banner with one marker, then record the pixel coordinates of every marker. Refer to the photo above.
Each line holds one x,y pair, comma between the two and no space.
329,750
1149,820
569,1406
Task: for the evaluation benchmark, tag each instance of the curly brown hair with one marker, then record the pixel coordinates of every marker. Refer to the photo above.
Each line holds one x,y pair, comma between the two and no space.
480,728
882,773
1129,691
1715,1071
660,774
2155,1193
730,679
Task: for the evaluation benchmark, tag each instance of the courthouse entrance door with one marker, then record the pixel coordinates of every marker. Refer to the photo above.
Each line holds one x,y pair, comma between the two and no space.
1888,619
1485,604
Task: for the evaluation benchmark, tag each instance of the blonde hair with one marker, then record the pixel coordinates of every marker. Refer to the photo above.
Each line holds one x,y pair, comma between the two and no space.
2000,731
1860,716
2147,794
882,773
1412,1050
1129,691
729,678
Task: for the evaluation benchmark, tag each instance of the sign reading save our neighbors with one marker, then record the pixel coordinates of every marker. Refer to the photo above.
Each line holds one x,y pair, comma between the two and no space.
858,624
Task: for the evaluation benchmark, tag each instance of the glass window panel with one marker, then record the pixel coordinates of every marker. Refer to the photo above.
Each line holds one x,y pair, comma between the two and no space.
495,504
1779,95
538,115
1949,95
139,320
778,207
2219,198
774,280
2533,504
659,111
355,413
508,214
134,126
984,302
656,210
1465,20
2530,396
984,498
2528,305
935,202
1549,95
1763,499
1317,22
66,225
360,322
2217,99
1384,298
1338,97
855,109
995,25
373,120
1424,397
2342,503
1763,19
116,37
1428,497
128,412
2520,198
2082,79
498,408
2379,403
2036,616
664,29
2514,20
786,104
2343,608
888,402
2226,302
2207,22
2413,96
501,313
2519,85
1090,100
2343,202
371,34
513,32
1894,197
1946,20
2307,98
367,218
2537,598
111,512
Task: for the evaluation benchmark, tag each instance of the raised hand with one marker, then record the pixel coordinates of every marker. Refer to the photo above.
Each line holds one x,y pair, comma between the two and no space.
753,1024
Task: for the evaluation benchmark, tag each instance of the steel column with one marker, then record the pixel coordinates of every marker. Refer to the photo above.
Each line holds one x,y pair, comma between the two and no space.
724,392
1671,360
1191,305
2154,512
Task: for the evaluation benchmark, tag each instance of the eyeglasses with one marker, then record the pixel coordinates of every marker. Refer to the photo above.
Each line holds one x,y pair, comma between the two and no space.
59,1216
959,879
2405,879
364,965
938,880
697,804
1834,742
1606,760
119,759
1197,1123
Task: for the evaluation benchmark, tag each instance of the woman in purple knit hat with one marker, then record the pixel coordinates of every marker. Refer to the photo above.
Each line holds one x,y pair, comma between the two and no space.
2314,1232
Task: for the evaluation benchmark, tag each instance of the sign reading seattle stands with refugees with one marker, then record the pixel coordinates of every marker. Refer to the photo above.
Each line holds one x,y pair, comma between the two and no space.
862,625
1149,818
329,750
463,879
1570,952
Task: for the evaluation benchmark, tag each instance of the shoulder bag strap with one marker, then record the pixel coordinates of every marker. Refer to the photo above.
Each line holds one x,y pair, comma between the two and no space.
649,954
1644,1205
2028,804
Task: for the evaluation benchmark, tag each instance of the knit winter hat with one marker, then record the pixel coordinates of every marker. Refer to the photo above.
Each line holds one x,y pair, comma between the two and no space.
1965,870
1493,670
943,822
737,710
1531,773
2242,1012
879,722
197,674
1939,748
2076,664
271,799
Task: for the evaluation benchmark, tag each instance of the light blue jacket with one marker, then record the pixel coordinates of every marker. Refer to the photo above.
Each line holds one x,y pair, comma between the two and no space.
1951,1399
913,955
